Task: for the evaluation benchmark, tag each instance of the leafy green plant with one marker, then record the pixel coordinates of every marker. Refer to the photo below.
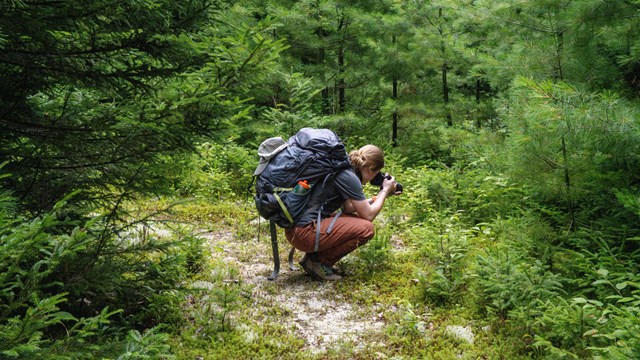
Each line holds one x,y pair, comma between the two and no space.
603,269
408,321
295,110
226,295
619,329
213,303
561,327
217,171
150,345
376,252
57,273
195,254
444,245
22,336
473,191
31,314
509,281
440,288
630,199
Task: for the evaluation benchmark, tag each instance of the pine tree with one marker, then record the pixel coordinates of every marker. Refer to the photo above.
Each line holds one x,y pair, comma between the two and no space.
94,94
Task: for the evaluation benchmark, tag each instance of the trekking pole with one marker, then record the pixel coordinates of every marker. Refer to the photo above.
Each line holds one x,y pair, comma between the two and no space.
274,247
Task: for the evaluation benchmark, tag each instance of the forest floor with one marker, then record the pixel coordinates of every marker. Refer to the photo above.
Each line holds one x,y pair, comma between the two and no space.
376,311
314,311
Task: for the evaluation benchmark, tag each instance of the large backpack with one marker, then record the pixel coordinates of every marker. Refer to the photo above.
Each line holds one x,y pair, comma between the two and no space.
312,156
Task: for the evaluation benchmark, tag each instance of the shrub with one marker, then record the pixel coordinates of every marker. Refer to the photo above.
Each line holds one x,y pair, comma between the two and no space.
61,278
444,245
376,252
31,319
217,171
478,195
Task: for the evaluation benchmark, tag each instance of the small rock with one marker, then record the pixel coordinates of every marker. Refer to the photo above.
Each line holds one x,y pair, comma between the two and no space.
461,332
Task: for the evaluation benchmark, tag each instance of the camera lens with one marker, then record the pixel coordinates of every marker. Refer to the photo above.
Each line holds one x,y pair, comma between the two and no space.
398,187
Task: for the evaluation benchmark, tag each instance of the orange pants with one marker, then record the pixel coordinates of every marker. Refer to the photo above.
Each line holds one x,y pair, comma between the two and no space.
348,233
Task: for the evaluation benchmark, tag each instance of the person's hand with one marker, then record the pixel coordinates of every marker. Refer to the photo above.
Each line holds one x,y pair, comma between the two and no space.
389,185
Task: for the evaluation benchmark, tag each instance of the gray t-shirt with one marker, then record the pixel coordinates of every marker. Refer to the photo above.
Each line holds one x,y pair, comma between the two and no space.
345,186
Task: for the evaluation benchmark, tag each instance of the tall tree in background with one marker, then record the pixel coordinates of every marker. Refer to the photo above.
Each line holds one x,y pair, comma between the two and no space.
77,92
439,46
568,134
310,28
93,93
388,53
605,45
542,27
441,21
327,43
589,42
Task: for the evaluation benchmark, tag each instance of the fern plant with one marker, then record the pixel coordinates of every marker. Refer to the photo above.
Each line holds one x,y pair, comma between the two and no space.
444,245
72,289
508,281
148,345
376,252
620,328
31,252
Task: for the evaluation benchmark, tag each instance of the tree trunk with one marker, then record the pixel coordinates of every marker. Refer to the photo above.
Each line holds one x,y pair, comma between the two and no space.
394,134
341,84
567,184
478,97
394,125
445,84
325,90
445,93
559,50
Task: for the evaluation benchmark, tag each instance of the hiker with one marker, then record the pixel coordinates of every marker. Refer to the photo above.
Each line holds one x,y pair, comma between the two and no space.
352,228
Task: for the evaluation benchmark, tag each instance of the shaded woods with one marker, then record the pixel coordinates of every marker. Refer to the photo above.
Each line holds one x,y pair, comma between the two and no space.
128,128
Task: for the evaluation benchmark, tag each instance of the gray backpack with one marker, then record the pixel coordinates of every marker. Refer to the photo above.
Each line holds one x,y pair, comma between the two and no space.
290,172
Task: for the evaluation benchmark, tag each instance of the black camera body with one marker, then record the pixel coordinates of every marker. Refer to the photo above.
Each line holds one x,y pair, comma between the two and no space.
379,178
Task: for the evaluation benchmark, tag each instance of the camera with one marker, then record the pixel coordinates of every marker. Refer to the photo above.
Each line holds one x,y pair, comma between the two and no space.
380,178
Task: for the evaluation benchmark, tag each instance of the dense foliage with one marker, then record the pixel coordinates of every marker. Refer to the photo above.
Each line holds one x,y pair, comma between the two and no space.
512,124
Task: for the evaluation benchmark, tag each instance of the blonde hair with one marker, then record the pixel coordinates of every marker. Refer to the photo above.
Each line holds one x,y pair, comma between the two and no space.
369,156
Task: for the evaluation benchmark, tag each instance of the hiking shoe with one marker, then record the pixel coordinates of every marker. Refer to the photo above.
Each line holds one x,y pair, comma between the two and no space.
305,262
338,271
321,271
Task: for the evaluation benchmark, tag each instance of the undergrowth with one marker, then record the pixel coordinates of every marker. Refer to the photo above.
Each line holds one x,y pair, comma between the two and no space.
461,252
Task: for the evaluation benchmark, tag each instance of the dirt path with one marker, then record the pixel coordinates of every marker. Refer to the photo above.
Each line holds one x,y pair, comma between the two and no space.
315,311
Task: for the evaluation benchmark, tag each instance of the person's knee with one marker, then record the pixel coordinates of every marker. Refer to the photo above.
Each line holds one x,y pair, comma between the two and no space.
368,230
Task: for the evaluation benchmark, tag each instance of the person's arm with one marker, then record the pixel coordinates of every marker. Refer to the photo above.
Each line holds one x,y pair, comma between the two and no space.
348,207
369,211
